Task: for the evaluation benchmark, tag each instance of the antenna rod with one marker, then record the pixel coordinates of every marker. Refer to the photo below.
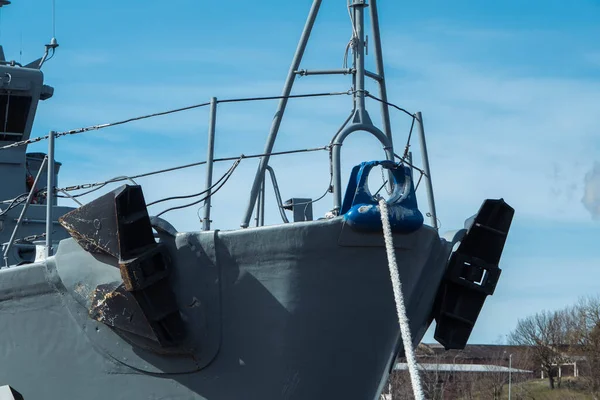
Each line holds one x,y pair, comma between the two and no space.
287,89
53,18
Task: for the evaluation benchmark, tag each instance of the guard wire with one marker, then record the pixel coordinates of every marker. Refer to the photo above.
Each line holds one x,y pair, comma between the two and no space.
228,175
188,196
176,110
161,171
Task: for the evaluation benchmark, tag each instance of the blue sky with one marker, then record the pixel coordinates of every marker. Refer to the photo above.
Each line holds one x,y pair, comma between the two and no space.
509,92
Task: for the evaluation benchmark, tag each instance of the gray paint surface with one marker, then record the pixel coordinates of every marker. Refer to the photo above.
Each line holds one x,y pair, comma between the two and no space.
15,162
280,312
22,82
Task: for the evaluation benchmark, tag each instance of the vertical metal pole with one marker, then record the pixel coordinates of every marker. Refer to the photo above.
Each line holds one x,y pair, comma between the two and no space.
260,206
427,171
23,211
50,194
359,55
509,374
287,89
257,218
378,54
261,220
410,160
210,152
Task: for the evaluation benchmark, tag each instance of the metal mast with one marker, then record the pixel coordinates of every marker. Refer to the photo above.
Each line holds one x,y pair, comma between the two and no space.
287,89
359,119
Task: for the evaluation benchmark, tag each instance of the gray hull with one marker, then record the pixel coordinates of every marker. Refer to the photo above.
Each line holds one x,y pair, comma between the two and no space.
296,311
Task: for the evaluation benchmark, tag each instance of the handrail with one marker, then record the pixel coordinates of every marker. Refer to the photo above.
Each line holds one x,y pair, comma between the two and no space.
260,207
277,194
360,121
23,211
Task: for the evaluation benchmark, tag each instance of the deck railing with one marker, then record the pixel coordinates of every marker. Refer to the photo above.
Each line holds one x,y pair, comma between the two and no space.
357,121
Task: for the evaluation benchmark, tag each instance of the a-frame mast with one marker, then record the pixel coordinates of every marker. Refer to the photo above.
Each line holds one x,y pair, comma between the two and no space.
359,120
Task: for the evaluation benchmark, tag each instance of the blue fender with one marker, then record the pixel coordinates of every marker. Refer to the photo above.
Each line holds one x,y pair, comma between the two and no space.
361,210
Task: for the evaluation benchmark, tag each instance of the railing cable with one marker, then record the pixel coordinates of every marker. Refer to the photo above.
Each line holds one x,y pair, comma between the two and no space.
224,181
176,110
161,171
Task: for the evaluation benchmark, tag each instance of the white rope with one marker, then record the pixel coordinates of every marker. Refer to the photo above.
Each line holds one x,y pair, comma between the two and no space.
399,298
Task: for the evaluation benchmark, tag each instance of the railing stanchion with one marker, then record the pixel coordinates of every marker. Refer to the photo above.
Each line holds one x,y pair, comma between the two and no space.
261,205
50,194
23,211
425,157
210,152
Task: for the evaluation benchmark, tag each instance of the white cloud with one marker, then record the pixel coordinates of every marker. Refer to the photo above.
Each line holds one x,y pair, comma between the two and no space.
591,196
494,133
86,59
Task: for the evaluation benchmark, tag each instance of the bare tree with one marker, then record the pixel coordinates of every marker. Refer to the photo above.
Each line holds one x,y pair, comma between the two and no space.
546,333
464,386
401,388
584,337
495,379
523,359
434,381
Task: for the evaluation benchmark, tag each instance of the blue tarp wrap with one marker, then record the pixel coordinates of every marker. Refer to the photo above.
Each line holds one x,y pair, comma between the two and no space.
361,210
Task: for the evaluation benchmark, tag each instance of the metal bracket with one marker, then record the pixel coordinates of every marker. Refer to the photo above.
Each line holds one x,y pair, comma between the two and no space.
472,274
118,224
301,208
